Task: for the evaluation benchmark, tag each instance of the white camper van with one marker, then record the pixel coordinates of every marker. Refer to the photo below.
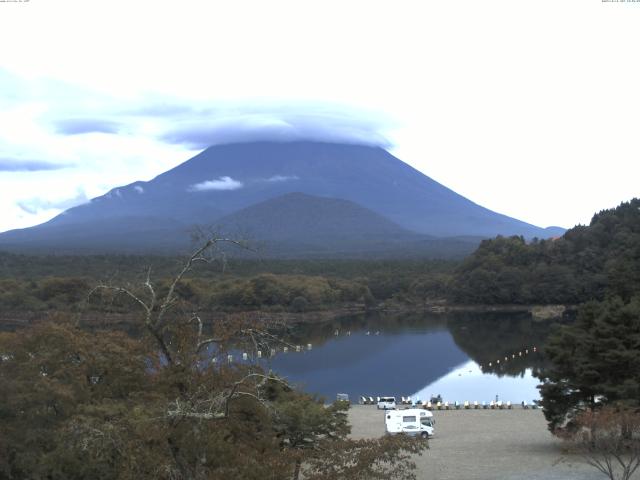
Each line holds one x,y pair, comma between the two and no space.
412,421
386,403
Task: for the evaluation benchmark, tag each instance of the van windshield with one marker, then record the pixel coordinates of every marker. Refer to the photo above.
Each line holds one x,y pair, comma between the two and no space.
426,422
388,399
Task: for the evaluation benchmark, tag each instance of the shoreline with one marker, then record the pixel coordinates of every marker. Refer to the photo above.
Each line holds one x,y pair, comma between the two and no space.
23,318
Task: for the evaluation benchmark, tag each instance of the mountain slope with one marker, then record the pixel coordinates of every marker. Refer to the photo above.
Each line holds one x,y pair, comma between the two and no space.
293,225
135,234
224,179
298,217
297,224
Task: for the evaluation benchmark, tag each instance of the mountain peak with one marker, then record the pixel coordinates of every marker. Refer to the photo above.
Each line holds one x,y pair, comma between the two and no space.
225,179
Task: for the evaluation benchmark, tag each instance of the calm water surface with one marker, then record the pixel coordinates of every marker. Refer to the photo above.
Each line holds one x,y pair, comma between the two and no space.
419,356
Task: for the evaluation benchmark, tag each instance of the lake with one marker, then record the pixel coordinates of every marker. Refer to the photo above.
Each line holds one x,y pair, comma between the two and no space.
461,357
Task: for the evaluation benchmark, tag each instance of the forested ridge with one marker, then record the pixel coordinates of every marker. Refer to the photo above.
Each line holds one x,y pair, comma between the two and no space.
586,263
591,364
39,283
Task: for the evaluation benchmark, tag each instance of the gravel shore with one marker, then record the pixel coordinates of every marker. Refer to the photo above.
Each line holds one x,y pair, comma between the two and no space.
485,445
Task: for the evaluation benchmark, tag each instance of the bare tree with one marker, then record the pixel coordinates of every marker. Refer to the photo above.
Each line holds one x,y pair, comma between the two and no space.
195,392
156,308
181,339
608,439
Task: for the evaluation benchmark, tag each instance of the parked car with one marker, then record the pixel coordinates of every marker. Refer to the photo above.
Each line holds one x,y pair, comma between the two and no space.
386,403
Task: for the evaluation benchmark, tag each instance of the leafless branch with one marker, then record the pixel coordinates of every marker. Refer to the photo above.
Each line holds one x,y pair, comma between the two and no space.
205,405
206,342
155,313
122,290
253,332
609,440
196,256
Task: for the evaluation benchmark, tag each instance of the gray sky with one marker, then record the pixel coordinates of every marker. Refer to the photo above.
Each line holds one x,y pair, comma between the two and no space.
530,108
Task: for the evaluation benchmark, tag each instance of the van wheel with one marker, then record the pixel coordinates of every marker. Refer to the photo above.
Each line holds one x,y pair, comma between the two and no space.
424,435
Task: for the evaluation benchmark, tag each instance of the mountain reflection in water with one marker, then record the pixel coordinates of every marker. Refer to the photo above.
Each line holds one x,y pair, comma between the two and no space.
417,356
468,382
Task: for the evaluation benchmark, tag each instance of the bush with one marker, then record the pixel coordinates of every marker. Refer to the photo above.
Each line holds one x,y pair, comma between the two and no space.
299,304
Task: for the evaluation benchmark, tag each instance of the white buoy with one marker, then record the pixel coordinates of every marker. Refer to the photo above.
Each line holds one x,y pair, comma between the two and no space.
297,348
245,356
308,346
285,349
214,360
519,354
259,354
273,352
336,333
489,363
229,358
348,332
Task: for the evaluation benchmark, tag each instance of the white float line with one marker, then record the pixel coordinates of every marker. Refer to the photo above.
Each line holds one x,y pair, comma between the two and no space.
526,351
259,354
466,405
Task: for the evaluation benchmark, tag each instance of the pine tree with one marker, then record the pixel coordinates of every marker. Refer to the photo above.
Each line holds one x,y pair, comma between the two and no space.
594,361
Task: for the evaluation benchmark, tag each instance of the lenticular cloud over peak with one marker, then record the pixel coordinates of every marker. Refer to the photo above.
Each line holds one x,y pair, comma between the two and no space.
279,126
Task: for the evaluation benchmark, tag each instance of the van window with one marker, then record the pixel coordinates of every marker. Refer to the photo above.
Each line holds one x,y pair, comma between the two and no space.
409,419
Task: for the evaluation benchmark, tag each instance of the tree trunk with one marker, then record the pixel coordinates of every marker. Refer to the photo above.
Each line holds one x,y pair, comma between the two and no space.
296,470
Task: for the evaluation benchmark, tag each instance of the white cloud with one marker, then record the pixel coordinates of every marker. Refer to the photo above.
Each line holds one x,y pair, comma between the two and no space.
279,122
38,205
282,178
484,102
222,183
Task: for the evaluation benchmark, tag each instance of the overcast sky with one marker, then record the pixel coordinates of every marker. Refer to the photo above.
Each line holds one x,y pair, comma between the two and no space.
530,108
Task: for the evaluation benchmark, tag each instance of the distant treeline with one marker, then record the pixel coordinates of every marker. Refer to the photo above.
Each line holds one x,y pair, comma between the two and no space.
130,267
587,263
38,283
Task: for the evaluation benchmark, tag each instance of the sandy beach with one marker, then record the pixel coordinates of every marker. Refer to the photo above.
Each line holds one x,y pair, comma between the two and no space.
485,445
